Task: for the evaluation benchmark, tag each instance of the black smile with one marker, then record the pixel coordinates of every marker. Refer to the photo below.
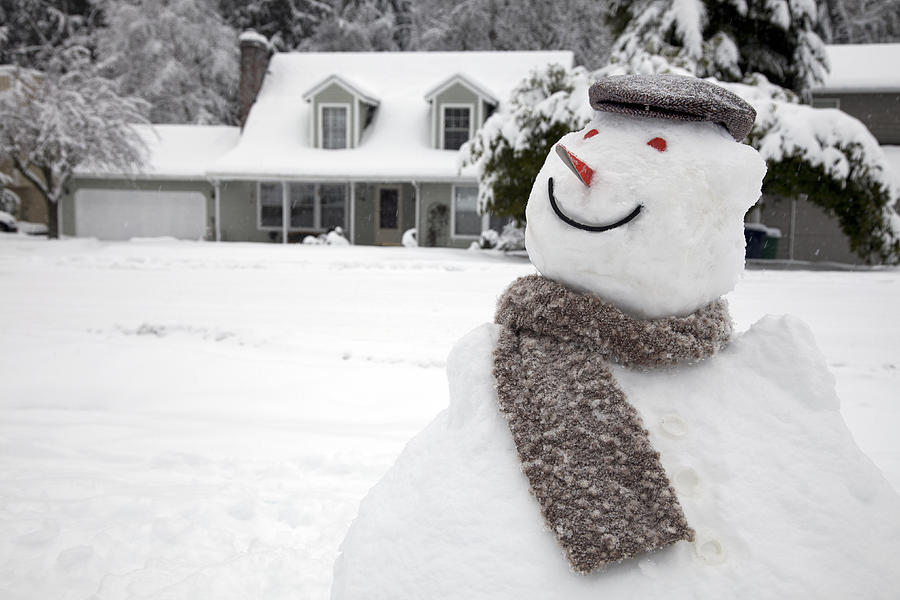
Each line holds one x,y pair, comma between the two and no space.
593,228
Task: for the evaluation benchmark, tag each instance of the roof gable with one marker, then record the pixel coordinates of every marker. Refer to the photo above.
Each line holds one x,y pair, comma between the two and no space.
461,79
355,90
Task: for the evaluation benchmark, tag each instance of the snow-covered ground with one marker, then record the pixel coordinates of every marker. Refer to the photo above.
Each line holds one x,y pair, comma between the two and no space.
189,420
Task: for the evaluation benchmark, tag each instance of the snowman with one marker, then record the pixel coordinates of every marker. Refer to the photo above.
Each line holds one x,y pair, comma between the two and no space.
609,436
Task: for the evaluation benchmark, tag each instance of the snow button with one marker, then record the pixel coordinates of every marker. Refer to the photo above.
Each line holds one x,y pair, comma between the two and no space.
673,426
710,550
687,482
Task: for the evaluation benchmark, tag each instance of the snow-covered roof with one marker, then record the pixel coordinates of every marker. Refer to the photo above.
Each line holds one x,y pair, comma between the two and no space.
397,144
863,68
177,151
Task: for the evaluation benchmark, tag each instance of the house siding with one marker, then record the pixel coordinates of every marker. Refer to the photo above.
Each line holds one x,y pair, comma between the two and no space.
487,109
335,93
239,213
367,209
364,216
817,235
33,208
67,207
434,214
409,206
434,217
880,113
455,94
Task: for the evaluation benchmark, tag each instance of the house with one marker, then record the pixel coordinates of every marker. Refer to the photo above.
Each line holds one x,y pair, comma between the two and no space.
864,82
363,141
367,142
170,197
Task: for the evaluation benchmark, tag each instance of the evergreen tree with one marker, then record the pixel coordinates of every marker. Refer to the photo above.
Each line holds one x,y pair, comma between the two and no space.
511,147
286,23
726,39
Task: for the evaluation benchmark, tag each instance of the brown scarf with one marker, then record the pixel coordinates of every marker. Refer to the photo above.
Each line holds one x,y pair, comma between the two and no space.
599,482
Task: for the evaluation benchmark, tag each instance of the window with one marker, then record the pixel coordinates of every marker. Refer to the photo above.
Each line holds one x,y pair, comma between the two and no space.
303,205
332,200
498,223
456,124
334,122
270,204
312,206
466,220
388,208
826,103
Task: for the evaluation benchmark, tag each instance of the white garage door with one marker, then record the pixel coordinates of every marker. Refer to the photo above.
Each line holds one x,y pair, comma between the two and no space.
125,214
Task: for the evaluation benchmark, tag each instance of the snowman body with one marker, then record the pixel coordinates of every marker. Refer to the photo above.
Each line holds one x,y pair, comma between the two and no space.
647,215
783,502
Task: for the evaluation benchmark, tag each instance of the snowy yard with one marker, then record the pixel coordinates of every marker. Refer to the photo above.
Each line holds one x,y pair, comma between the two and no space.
189,420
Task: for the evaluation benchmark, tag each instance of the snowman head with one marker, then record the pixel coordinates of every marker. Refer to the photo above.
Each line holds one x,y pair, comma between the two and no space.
643,211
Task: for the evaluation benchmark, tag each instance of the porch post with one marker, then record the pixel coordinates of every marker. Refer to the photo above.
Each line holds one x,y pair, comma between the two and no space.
794,224
418,233
352,212
57,206
284,212
218,217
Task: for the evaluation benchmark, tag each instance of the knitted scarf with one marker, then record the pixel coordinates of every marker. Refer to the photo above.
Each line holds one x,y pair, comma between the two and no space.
590,464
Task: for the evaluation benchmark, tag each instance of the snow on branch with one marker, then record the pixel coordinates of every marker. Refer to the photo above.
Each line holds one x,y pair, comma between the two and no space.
53,121
509,148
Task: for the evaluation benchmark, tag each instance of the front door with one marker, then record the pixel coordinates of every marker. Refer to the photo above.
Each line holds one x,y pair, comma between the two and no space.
389,217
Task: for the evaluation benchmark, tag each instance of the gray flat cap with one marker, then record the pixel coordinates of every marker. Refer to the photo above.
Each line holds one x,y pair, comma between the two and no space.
673,97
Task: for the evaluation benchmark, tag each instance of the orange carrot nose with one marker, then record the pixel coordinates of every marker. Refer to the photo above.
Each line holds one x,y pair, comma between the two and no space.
577,166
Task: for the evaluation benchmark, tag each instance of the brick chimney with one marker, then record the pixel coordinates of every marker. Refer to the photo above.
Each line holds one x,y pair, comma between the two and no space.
254,61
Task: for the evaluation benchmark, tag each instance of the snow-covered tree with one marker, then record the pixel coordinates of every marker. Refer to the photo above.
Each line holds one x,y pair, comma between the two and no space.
823,153
831,157
577,25
511,147
32,31
861,21
363,25
178,55
53,121
9,200
285,23
726,39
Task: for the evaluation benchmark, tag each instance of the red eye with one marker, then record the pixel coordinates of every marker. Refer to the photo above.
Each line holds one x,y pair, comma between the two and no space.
658,143
591,133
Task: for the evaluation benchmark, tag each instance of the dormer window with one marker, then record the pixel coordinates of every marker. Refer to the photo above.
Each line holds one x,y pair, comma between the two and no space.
334,120
458,107
339,113
457,123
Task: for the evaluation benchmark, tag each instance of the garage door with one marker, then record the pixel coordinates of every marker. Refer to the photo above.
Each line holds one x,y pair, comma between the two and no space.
126,214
